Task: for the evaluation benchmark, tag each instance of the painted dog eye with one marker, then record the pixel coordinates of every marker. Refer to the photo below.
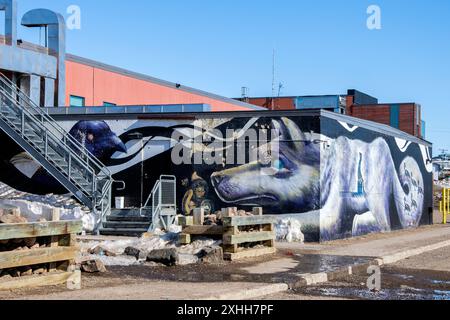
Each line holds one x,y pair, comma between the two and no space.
278,164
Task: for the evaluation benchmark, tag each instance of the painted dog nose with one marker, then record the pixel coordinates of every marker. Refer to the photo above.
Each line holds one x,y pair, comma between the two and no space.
217,179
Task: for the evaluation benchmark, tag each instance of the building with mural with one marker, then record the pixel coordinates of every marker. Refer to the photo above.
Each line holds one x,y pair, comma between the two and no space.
340,176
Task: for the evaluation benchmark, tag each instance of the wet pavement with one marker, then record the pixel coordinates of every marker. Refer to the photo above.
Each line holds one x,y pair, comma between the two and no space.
287,268
396,284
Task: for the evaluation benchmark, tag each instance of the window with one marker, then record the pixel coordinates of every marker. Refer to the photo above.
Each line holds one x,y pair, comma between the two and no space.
109,104
76,101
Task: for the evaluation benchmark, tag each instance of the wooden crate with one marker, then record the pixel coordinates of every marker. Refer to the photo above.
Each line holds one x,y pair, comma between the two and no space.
235,238
233,234
189,232
55,254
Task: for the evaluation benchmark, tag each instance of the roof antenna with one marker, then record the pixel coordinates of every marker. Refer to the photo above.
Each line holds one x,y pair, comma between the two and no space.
280,86
273,79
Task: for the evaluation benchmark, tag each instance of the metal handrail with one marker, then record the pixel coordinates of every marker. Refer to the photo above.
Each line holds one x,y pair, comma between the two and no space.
54,139
156,198
94,179
55,125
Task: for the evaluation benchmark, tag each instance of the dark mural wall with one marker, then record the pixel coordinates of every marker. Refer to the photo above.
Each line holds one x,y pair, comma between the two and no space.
338,180
372,182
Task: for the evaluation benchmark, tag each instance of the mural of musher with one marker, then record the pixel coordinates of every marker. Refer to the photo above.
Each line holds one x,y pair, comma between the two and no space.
196,196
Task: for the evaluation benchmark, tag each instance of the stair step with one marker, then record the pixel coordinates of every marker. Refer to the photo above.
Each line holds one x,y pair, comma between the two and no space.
126,225
122,232
127,212
115,218
12,119
36,141
60,163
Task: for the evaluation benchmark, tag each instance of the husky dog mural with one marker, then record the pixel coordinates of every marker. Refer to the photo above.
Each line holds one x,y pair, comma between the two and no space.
342,179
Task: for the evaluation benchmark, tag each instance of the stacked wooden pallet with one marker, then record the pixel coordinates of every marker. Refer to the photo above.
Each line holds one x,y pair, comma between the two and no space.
39,254
242,236
247,237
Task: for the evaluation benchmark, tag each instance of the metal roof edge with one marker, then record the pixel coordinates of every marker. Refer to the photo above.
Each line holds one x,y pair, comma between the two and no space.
140,76
375,126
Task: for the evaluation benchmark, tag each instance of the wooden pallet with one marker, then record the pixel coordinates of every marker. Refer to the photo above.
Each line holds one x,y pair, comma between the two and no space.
237,242
55,255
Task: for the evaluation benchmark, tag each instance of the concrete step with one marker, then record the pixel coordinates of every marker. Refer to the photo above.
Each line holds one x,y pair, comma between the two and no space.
126,225
127,217
136,232
128,212
116,218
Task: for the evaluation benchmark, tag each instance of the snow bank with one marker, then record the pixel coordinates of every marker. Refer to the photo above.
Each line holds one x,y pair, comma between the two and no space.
289,230
145,243
36,207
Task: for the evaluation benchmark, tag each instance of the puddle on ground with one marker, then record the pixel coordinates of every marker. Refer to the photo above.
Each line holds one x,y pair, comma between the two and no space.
442,295
403,276
385,294
316,263
440,282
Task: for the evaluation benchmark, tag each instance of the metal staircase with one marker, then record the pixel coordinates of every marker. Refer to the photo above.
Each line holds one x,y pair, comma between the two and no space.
159,212
126,222
65,158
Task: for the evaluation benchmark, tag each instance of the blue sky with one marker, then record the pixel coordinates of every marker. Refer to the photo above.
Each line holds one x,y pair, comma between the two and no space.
322,47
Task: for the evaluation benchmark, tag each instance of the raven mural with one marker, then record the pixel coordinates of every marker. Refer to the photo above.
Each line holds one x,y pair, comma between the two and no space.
20,171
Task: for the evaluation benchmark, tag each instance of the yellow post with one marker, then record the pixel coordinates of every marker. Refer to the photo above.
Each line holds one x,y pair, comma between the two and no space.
444,198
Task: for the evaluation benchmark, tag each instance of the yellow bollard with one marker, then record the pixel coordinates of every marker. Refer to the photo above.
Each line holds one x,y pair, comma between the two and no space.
447,201
445,204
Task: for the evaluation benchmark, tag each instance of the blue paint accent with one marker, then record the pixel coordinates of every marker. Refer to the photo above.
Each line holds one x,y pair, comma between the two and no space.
424,130
360,188
395,116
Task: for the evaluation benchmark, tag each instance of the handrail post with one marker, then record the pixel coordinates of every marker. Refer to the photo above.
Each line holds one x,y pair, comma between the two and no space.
22,117
46,144
69,167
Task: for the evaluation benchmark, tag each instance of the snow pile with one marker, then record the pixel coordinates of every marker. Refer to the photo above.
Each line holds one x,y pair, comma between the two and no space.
148,244
113,251
289,230
123,261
